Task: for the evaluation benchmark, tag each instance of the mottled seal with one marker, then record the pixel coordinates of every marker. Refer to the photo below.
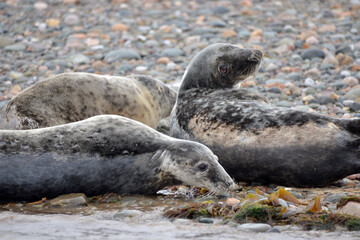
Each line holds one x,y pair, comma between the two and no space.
254,140
71,97
105,153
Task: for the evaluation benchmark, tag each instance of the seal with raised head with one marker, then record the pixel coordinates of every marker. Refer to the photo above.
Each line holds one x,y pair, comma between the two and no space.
105,153
71,97
254,141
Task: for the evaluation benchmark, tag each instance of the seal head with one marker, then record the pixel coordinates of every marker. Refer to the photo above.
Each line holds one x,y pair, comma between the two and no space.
220,65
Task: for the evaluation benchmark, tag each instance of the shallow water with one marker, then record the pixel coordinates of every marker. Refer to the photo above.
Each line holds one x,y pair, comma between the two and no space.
131,218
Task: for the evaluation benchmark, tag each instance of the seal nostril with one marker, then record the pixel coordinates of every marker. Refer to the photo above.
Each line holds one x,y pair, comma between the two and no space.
255,56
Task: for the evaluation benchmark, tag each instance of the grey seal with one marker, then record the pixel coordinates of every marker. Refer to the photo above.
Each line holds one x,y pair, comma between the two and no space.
256,142
105,153
71,97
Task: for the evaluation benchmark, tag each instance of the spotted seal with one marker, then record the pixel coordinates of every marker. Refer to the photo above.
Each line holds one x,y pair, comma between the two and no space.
105,153
71,97
254,140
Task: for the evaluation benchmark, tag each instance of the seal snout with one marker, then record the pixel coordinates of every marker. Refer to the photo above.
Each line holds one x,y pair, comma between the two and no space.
255,56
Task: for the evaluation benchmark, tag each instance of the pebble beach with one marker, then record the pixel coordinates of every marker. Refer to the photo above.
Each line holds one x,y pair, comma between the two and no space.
311,62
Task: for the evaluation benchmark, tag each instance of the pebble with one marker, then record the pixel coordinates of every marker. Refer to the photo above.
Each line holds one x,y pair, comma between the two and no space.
71,20
351,208
69,201
128,214
40,6
172,52
79,59
350,81
309,82
353,94
312,53
15,47
334,198
114,55
206,220
4,41
254,227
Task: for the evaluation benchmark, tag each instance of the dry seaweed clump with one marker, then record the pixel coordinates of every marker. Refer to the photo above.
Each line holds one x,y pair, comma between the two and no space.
345,200
257,213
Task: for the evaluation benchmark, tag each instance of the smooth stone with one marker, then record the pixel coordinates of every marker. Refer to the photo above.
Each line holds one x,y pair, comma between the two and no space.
5,41
220,10
206,220
120,54
309,82
254,227
15,47
79,59
273,230
334,198
127,214
352,94
348,103
325,100
345,73
355,107
141,69
71,20
40,6
218,23
16,75
244,33
172,52
57,62
294,76
204,30
124,69
312,53
69,200
271,67
302,108
338,84
274,90
351,208
275,80
283,104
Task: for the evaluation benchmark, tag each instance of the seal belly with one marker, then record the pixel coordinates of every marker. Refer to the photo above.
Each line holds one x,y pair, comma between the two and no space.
313,154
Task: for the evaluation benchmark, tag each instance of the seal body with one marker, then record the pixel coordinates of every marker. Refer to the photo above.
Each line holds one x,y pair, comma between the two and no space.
256,142
71,97
102,154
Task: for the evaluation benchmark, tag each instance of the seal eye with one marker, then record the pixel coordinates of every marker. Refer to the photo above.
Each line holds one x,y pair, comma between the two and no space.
202,167
223,69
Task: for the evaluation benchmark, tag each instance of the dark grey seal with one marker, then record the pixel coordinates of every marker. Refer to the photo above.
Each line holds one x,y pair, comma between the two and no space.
253,140
71,97
102,154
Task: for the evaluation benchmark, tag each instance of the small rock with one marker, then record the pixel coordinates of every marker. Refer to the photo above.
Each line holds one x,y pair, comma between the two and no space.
273,230
325,100
206,220
71,20
141,69
4,41
355,107
345,73
15,89
286,104
69,200
17,47
220,10
163,60
254,227
172,52
344,59
312,40
79,59
124,53
309,82
353,94
350,81
229,33
271,67
40,6
312,53
171,66
119,27
52,22
218,23
351,208
334,198
16,75
313,73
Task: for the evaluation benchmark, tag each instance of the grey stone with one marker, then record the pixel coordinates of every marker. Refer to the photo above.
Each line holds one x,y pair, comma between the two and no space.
71,20
204,30
79,59
273,230
309,82
120,54
312,53
355,107
4,41
220,10
218,23
15,47
244,33
172,52
254,227
283,104
325,100
274,90
206,220
352,94
294,76
275,80
334,198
